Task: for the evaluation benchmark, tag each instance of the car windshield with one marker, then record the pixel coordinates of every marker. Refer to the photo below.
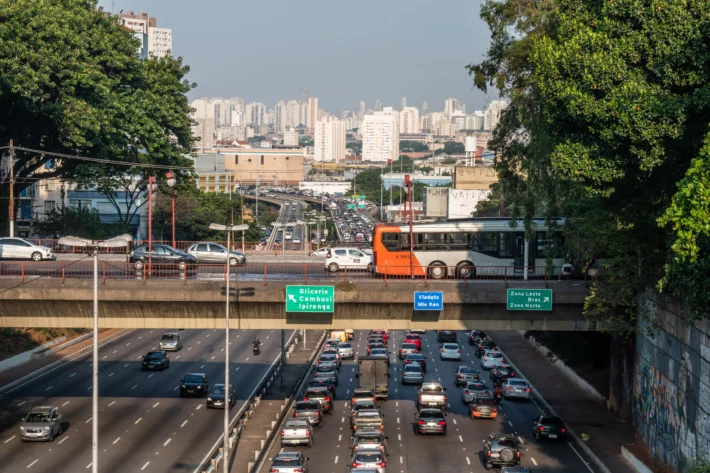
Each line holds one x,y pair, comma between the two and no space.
520,384
37,417
430,415
507,443
345,345
155,354
218,390
408,346
368,457
467,370
551,421
169,336
412,369
432,388
193,378
450,346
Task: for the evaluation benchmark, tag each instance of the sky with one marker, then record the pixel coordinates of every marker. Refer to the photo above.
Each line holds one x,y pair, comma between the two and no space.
341,52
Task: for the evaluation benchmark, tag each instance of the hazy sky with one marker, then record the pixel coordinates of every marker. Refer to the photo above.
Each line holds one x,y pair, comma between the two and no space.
341,52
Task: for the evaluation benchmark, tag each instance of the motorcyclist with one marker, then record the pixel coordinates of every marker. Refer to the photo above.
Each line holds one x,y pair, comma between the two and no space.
498,391
256,342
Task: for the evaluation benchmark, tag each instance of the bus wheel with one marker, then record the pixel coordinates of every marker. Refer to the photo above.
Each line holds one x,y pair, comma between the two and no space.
466,270
437,271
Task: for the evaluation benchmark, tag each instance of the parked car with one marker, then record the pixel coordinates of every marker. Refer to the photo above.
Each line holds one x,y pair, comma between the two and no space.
155,360
17,248
516,388
43,423
216,397
194,384
164,255
549,427
297,432
337,258
214,253
289,462
170,341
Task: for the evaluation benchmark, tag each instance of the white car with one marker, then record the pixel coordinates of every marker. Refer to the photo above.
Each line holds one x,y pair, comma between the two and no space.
345,349
321,252
296,240
491,359
337,258
17,248
450,351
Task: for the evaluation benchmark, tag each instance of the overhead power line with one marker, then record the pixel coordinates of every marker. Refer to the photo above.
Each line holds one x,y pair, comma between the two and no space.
103,161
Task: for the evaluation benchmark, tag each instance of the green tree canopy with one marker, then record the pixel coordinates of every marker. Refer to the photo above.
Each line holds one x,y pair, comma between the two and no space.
413,146
80,222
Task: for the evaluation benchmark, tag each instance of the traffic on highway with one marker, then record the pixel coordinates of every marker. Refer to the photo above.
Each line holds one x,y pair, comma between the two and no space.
367,414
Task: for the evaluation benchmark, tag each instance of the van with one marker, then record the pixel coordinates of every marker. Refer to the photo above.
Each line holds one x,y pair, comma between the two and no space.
340,334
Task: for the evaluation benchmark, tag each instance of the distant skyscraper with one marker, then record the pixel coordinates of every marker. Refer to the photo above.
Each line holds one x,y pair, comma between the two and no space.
409,120
450,106
155,42
425,107
378,105
255,113
312,113
491,115
280,116
292,113
380,136
304,96
403,104
329,140
361,115
291,137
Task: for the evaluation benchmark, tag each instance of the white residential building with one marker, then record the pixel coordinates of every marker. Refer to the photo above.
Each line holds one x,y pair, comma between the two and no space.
160,42
474,121
155,42
291,137
255,113
280,117
451,105
293,110
238,118
204,131
409,119
491,116
312,113
458,118
329,140
380,136
403,103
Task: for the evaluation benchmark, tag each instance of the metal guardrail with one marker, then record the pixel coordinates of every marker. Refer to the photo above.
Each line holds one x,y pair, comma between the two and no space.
211,461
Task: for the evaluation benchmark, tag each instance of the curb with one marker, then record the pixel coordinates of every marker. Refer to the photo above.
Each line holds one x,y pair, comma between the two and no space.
58,348
52,366
588,451
24,357
633,461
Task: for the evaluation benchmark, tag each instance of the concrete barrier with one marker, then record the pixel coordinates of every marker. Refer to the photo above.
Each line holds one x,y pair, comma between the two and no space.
24,357
61,347
636,464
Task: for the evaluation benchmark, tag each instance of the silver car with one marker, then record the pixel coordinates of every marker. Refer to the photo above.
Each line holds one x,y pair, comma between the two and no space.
345,350
412,374
17,248
450,351
516,388
297,432
491,358
289,462
369,460
475,389
43,423
207,252
170,341
326,371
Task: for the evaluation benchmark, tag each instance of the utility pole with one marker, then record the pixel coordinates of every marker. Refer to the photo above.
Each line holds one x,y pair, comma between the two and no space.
12,189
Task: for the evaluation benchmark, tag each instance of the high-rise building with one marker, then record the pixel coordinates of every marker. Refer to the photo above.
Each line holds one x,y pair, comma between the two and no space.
378,105
312,113
304,96
458,118
255,113
204,131
292,113
291,137
409,120
280,116
361,115
329,140
491,115
303,114
403,104
238,118
425,107
474,121
380,136
451,105
155,42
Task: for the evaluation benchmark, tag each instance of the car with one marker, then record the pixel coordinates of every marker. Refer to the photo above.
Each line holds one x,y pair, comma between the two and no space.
502,372
516,388
473,390
166,257
170,341
445,336
465,374
368,440
362,393
406,349
381,353
155,360
322,395
475,336
340,258
548,427
491,358
432,395
41,424
500,450
216,397
333,342
416,358
330,358
420,331
430,421
320,253
325,383
214,253
18,248
368,419
483,408
297,432
345,350
412,374
375,345
368,460
381,333
450,351
359,405
484,346
327,370
309,410
194,384
289,462
413,338
296,240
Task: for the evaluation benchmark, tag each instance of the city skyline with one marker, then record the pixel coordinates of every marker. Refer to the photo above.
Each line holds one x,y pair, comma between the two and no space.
341,69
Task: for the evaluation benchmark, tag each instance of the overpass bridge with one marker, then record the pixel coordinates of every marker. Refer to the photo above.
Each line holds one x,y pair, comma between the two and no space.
358,304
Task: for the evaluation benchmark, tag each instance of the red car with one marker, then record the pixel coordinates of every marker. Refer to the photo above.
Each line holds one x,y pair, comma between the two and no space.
413,338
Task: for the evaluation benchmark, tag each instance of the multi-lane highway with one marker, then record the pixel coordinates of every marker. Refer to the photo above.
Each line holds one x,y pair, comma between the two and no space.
457,451
144,425
291,211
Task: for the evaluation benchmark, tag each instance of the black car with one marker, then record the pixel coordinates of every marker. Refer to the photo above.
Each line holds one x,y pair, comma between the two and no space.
155,360
549,427
484,346
194,384
165,256
216,397
502,372
430,421
501,450
443,336
476,336
416,358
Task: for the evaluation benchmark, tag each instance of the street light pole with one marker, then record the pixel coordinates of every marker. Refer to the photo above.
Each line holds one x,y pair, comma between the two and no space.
171,184
151,183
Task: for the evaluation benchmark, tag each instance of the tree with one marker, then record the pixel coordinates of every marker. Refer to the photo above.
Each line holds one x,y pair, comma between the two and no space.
451,147
413,146
73,83
80,222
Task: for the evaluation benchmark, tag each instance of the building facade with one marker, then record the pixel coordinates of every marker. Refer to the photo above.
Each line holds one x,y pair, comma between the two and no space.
155,42
312,113
380,136
491,116
291,137
204,131
249,167
409,120
329,140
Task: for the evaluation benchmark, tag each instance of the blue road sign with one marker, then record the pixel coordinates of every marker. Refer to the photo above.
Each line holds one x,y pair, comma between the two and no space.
428,301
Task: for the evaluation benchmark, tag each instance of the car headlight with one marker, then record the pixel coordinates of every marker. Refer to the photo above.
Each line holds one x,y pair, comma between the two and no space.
199,387
22,429
182,386
46,429
209,399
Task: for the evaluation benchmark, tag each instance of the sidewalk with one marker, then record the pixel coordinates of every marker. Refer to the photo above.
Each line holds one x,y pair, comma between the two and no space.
577,408
13,374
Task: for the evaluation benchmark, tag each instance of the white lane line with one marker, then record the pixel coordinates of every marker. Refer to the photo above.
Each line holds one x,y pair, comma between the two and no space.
126,365
237,368
89,465
139,419
398,420
150,331
199,406
166,442
208,335
212,358
460,439
521,441
6,441
89,420
175,388
151,375
110,375
342,419
115,351
396,403
454,421
401,460
202,366
510,423
112,403
155,405
340,437
580,456
116,441
189,349
183,424
152,349
28,466
141,356
336,460
134,387
247,359
468,461
105,356
177,357
145,466
89,388
62,440
199,342
222,349
140,337
71,375
533,460
48,388
21,403
399,437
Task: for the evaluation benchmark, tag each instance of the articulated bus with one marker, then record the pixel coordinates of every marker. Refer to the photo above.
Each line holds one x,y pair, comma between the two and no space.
487,247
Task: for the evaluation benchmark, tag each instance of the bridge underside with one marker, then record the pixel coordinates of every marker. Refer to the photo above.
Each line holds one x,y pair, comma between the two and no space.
201,305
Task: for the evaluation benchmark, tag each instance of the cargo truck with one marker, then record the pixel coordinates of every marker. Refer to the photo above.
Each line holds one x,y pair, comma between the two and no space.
373,373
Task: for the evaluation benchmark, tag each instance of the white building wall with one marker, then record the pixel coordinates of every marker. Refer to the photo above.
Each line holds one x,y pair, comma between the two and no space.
491,116
380,136
160,41
291,137
409,120
329,140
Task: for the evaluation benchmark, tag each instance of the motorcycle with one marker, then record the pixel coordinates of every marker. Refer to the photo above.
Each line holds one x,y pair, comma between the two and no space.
256,350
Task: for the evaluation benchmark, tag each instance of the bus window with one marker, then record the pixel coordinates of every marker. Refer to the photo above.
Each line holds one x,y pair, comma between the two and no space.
505,245
459,241
436,241
545,244
485,242
419,240
391,241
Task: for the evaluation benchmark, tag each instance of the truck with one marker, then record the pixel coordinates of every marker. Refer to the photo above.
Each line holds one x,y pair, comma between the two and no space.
373,373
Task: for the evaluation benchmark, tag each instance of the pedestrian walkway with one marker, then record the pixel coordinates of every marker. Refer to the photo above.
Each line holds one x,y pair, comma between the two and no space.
578,409
265,417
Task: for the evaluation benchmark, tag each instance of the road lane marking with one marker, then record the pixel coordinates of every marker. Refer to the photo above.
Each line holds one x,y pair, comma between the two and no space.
105,356
177,357
151,375
33,463
237,368
339,438
398,420
140,337
208,335
155,405
73,374
6,441
112,403
166,442
399,437
521,441
460,439
89,388
89,465
62,440
117,350
153,348
336,459
342,420
580,456
176,387
202,366
199,342
139,419
134,387
189,349
533,460
510,423
212,358
126,365
222,349
247,359
110,375
401,460
145,466
396,403
454,421
468,461
116,441
141,356
21,403
89,420
183,424
199,406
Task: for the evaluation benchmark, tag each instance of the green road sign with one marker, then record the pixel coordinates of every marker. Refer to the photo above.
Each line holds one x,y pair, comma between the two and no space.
361,206
529,299
350,206
362,197
310,299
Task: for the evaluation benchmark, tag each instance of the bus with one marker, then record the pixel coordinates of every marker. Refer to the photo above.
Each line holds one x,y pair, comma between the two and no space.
487,247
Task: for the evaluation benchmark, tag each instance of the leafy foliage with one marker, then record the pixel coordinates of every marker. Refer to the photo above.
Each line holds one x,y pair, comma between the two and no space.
451,147
81,222
413,146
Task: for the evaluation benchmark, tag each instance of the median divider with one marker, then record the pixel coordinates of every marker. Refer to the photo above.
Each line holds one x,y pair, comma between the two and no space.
212,462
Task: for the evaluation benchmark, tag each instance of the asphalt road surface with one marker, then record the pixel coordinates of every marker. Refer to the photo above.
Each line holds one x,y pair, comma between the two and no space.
144,425
458,451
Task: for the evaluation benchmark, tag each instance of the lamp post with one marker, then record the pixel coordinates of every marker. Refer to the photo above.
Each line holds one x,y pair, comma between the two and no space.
116,242
408,189
151,188
225,451
171,184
